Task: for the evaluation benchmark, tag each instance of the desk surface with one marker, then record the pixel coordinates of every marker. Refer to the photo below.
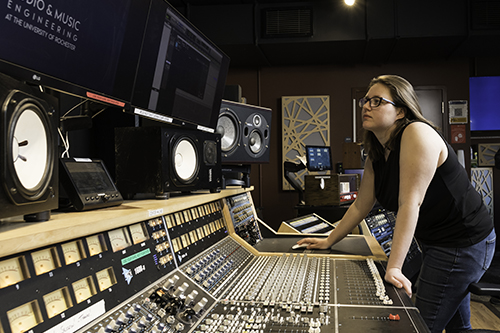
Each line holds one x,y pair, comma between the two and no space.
351,245
17,236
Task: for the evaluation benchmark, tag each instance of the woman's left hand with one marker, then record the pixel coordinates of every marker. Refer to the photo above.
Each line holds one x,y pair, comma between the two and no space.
397,278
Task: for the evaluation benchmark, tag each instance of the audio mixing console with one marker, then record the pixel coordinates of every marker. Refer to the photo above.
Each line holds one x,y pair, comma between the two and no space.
187,272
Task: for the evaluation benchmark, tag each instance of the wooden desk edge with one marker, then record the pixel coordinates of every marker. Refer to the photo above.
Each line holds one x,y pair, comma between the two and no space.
17,237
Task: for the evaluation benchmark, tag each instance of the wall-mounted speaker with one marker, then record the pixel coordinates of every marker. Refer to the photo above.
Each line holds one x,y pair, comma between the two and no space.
28,152
245,133
161,160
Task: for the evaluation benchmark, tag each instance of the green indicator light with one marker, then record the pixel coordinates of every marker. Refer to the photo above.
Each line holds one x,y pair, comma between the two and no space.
135,256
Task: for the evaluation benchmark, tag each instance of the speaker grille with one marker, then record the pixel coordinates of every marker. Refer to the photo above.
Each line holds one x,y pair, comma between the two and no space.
287,22
209,152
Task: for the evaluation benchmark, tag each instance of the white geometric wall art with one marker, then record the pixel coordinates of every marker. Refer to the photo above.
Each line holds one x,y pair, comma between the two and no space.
305,121
482,180
486,153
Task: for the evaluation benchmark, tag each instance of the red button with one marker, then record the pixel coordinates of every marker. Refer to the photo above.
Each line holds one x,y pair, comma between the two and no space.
394,317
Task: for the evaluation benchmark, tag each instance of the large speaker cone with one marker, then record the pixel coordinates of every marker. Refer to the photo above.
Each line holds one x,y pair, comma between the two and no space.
29,148
185,159
255,142
229,128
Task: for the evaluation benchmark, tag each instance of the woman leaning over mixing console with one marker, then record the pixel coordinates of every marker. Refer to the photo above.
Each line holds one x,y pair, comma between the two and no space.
413,171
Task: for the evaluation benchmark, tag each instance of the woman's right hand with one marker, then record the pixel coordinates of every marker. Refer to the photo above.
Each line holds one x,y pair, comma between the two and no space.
316,243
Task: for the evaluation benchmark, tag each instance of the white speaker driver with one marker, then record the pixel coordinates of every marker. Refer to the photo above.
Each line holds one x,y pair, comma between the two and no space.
255,142
228,127
257,120
185,160
30,149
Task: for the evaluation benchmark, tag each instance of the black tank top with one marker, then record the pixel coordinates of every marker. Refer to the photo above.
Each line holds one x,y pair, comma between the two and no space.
452,214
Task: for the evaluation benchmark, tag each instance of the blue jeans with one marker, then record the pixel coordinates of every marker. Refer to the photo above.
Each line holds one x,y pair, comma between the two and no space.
443,298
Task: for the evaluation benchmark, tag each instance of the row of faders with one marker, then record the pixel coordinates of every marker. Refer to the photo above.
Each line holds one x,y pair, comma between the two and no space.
296,293
287,281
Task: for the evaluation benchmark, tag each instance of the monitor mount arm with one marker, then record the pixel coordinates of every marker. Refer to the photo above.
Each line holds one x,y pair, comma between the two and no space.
293,167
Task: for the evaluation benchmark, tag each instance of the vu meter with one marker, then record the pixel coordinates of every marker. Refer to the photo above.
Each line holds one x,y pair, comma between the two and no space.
105,278
83,289
57,302
13,271
45,260
73,252
24,317
139,234
96,244
119,239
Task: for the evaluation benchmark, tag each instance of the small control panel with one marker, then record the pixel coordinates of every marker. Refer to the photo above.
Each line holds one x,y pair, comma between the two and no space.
310,224
381,224
88,184
243,219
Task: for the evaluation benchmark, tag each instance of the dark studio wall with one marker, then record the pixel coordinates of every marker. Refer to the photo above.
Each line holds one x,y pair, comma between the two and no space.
430,43
265,86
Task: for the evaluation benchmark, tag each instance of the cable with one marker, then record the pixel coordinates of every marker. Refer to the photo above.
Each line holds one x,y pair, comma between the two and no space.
74,107
65,143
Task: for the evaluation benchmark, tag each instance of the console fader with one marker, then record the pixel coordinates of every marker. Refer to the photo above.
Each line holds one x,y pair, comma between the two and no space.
197,278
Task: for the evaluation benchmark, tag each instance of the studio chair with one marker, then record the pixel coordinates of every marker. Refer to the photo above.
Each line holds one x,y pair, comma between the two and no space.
484,289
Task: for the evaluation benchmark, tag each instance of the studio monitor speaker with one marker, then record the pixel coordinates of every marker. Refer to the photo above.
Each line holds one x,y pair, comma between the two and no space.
28,152
161,160
245,133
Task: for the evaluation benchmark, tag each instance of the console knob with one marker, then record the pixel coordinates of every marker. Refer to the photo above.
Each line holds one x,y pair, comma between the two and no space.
143,322
171,282
134,328
190,298
112,326
200,305
179,291
121,320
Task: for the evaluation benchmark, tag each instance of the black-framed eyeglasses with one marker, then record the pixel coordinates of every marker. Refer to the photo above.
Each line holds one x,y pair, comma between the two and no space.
374,101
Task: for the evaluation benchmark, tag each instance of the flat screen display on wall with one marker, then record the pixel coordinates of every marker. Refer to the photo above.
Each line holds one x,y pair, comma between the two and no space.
79,47
483,103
